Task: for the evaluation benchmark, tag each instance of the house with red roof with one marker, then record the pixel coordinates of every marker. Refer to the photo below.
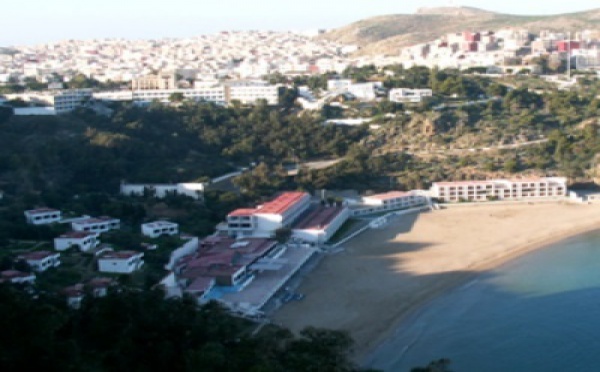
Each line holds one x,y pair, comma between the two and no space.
41,260
121,262
82,240
319,224
265,219
42,216
16,277
226,260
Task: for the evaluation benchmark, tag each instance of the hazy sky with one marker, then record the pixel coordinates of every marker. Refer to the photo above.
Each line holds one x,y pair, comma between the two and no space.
38,21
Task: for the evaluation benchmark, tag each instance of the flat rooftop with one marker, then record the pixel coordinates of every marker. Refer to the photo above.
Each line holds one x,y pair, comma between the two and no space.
267,283
318,218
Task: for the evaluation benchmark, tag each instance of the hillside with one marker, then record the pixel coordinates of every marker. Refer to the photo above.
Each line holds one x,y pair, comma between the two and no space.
385,34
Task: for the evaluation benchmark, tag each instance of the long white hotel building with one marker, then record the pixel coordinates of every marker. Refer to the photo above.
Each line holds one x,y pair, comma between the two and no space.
546,187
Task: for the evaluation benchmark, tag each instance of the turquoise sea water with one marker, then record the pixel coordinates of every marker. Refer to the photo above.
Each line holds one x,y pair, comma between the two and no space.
538,313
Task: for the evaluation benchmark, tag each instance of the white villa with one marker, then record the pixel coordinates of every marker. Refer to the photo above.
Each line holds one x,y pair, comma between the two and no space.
99,225
122,262
158,228
42,216
42,260
83,240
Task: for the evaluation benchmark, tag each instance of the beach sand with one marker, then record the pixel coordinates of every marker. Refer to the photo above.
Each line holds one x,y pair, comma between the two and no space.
384,275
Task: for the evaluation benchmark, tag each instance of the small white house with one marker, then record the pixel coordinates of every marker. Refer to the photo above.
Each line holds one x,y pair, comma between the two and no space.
42,216
16,277
74,295
97,225
83,240
123,262
158,228
405,95
42,260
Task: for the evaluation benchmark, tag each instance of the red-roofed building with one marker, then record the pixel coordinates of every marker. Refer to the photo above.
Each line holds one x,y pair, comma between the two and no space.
41,260
320,224
121,262
227,260
16,277
42,216
83,240
264,220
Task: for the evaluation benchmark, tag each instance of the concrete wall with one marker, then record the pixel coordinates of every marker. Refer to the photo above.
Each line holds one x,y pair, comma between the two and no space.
188,248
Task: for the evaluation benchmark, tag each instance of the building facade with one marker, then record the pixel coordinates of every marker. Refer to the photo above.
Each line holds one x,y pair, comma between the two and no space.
158,228
97,225
82,240
264,220
42,216
547,187
122,262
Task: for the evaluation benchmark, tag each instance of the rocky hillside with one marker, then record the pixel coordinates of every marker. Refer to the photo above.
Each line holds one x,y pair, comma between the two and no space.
385,34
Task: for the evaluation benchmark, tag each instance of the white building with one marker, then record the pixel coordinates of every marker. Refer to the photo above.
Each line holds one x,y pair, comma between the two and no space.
193,190
405,95
320,224
62,101
16,277
389,201
42,260
158,228
545,187
97,225
83,240
341,85
123,262
366,91
264,220
249,94
42,216
211,94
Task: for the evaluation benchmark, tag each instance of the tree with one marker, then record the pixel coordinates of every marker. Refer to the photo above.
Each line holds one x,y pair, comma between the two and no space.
176,97
5,113
283,234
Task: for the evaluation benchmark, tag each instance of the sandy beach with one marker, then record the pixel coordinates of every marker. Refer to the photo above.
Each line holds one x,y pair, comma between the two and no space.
384,275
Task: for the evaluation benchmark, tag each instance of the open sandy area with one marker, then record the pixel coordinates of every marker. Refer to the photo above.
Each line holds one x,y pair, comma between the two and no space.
385,274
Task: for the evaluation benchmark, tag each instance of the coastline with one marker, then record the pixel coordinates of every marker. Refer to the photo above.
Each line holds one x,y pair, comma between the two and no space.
417,258
479,269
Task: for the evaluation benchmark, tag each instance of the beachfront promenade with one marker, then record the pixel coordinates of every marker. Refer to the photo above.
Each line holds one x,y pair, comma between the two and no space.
384,274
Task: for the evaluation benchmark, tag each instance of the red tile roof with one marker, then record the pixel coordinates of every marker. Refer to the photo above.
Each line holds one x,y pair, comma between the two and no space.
242,212
77,235
200,284
35,256
282,203
319,218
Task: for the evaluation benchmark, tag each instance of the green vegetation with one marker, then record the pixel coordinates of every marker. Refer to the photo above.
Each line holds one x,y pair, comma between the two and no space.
139,331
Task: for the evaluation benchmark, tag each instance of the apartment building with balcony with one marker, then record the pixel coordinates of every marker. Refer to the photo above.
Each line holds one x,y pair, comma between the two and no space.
393,200
82,240
515,189
122,262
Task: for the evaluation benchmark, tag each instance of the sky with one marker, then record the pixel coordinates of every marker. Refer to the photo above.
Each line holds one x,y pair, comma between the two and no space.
41,21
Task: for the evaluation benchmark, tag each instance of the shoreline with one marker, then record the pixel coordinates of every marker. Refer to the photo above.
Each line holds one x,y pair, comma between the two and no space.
385,276
419,304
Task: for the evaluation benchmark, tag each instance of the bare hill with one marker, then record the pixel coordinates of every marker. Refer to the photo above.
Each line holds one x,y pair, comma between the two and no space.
385,34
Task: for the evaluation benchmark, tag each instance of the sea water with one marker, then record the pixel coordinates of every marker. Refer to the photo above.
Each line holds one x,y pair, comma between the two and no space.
540,312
